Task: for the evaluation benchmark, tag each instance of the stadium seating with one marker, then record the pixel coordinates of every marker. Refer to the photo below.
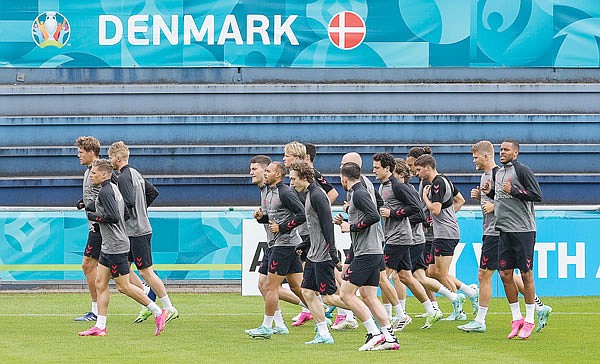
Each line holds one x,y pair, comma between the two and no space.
203,160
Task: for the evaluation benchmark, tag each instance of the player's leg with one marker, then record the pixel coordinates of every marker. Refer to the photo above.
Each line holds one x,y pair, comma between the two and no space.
103,298
89,266
507,264
141,250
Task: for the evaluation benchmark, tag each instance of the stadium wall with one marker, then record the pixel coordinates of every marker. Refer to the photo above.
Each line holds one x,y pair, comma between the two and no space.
211,244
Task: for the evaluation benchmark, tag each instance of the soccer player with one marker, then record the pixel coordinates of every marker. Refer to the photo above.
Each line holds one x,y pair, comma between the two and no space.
284,212
322,259
483,158
443,200
138,193
110,213
258,165
515,191
399,205
88,150
363,274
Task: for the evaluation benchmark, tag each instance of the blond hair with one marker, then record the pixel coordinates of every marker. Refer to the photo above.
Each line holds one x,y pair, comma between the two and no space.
484,147
119,149
296,149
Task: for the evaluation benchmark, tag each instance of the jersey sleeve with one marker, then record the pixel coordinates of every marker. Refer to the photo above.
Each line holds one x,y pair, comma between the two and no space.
438,190
111,209
410,204
363,202
151,192
291,201
531,190
322,181
320,203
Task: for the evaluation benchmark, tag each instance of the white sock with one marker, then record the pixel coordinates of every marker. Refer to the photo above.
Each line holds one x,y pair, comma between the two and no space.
447,293
388,309
481,313
146,288
399,311
428,305
470,291
279,319
529,310
268,321
435,305
371,327
95,308
166,302
516,311
323,330
350,315
304,309
101,322
153,307
388,332
403,303
341,311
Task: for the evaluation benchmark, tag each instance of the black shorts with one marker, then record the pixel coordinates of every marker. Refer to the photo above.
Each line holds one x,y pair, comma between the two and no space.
416,254
319,277
426,258
284,261
263,268
489,252
516,250
397,257
117,263
140,251
444,247
349,256
364,270
94,243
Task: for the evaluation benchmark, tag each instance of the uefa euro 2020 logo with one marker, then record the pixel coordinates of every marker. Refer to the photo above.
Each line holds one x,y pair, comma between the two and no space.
51,29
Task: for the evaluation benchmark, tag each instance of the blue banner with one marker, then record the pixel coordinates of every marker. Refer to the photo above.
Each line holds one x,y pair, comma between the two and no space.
292,33
189,245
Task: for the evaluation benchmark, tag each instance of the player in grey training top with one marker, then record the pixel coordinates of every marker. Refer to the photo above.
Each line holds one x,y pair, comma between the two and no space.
322,256
364,271
516,189
443,201
138,194
110,214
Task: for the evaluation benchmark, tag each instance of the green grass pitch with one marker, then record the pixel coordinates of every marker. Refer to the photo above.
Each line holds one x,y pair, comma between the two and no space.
39,328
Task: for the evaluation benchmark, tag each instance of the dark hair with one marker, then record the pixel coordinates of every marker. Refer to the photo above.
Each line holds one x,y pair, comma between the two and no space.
103,165
416,152
261,159
280,168
425,160
304,171
514,142
386,160
350,170
311,151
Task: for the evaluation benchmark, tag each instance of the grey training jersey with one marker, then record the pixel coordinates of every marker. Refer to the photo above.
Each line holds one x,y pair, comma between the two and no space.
489,219
427,227
319,223
263,206
402,204
111,207
445,225
514,210
284,208
132,186
371,189
364,219
90,191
